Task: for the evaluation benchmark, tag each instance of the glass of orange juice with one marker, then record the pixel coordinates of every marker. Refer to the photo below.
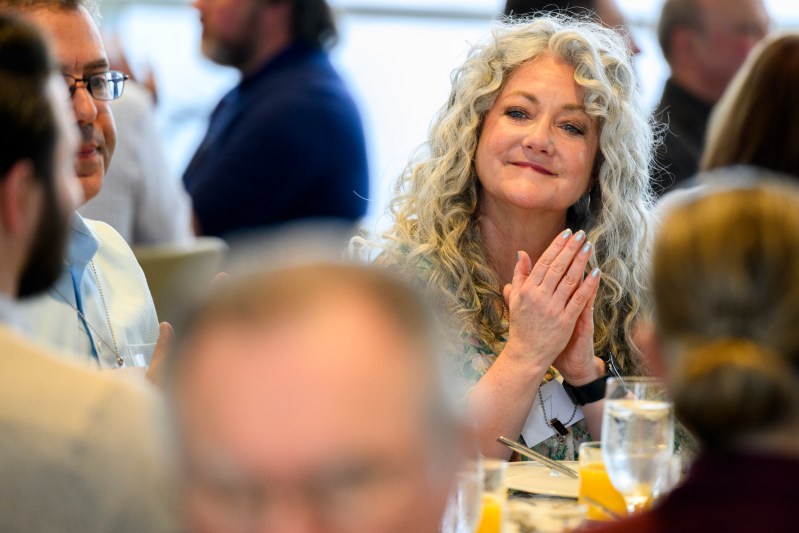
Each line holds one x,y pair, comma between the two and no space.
596,491
495,496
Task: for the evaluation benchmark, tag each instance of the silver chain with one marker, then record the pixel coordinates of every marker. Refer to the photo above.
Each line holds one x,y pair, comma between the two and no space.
120,360
112,347
556,433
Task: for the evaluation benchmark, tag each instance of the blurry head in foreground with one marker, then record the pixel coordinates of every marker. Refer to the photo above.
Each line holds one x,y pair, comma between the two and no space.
756,122
309,400
39,188
726,293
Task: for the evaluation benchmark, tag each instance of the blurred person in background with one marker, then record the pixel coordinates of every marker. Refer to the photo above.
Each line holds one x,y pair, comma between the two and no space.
756,122
311,399
140,198
100,308
529,216
79,451
704,42
725,284
287,142
603,11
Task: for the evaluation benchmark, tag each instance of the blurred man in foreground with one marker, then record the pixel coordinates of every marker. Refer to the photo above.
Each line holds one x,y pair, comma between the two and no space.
309,400
705,42
78,450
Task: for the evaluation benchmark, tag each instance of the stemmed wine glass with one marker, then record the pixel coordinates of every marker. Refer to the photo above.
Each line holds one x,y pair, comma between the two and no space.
637,438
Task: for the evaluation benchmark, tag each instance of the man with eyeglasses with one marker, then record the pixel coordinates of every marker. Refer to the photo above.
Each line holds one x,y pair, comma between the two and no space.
79,450
101,307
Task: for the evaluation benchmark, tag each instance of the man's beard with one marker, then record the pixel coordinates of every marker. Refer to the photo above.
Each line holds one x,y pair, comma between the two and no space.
46,258
229,54
238,53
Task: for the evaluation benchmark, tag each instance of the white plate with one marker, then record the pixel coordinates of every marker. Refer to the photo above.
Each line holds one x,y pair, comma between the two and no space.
529,476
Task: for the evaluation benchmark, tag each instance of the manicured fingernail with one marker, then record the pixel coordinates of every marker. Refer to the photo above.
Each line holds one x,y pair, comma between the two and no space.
586,248
566,234
518,255
580,235
595,273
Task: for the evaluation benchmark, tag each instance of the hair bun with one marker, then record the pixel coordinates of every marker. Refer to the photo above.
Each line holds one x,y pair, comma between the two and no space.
730,387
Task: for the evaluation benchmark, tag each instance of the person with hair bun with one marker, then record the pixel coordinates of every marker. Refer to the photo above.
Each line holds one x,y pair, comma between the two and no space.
535,180
725,287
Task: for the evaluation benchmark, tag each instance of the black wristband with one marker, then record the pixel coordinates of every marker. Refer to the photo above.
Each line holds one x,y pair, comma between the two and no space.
588,393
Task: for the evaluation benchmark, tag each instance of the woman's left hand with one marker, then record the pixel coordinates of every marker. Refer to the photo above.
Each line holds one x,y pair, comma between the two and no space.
577,363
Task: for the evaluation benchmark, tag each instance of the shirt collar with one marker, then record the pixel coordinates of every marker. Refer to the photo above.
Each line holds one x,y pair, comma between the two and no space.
83,245
9,314
674,92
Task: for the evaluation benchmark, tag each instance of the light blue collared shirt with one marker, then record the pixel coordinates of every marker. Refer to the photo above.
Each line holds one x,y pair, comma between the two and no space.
104,282
9,313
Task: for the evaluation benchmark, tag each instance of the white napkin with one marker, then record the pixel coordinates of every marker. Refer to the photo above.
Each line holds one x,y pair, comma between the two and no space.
557,405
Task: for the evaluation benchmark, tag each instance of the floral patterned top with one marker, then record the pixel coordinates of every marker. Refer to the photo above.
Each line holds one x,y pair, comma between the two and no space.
476,360
477,357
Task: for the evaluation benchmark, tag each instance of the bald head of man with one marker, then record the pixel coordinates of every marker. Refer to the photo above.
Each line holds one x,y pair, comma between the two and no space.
310,400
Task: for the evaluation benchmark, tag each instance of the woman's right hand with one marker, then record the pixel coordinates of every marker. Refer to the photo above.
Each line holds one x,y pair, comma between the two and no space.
550,322
545,302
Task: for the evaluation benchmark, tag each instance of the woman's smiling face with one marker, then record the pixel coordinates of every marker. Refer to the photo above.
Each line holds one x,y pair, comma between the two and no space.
537,145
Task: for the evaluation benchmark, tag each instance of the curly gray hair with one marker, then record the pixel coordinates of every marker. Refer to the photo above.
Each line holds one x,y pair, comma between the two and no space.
436,198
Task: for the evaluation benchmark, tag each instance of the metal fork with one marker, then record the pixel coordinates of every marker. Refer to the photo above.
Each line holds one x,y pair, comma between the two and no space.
543,459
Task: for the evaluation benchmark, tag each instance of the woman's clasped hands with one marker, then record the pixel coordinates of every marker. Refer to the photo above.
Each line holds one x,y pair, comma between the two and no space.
551,309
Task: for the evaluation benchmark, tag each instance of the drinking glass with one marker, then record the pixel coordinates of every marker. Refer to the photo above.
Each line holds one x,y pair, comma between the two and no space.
637,438
597,493
464,507
494,497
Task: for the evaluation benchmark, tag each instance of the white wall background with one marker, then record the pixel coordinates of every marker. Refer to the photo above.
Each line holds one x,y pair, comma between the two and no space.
395,54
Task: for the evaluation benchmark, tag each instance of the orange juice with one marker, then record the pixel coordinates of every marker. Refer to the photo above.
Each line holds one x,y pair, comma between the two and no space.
491,516
595,483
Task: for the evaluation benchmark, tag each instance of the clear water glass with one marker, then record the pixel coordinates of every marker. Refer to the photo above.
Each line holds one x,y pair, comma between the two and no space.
637,438
464,507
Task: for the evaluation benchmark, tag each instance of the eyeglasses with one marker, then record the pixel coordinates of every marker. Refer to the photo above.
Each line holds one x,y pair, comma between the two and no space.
102,86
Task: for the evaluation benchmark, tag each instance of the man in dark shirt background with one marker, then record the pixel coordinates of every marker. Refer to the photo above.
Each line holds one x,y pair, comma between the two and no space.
705,42
286,143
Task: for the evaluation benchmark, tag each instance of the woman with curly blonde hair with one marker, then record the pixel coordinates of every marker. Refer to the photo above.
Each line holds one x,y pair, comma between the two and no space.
534,186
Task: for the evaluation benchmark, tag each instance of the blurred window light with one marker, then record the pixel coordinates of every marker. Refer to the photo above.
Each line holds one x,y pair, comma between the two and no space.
396,55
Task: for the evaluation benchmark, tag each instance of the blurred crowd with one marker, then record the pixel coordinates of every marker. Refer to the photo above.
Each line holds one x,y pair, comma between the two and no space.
552,229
